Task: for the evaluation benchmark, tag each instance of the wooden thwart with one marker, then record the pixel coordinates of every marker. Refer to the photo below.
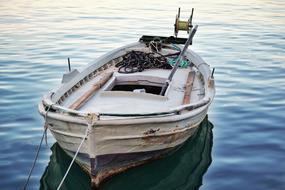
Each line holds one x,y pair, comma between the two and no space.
83,99
188,87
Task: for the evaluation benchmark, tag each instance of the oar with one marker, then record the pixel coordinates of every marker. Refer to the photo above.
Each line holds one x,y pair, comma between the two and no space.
178,60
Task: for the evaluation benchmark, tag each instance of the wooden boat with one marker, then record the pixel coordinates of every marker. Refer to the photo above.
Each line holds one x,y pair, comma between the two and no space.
117,105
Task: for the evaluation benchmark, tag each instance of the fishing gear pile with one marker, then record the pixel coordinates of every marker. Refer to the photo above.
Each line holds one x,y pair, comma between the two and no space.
137,61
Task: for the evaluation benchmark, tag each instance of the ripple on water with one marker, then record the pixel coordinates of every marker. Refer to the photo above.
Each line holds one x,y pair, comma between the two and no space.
243,40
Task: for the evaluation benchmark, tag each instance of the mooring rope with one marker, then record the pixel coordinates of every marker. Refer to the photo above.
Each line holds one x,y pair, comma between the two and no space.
89,125
38,150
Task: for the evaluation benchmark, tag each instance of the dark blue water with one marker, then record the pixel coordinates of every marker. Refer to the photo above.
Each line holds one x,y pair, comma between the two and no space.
243,40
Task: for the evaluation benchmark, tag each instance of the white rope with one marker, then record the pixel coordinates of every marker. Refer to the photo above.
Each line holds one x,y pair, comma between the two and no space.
38,150
69,167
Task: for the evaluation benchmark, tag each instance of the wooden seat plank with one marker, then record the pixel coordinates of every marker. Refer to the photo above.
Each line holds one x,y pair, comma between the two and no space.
188,87
90,93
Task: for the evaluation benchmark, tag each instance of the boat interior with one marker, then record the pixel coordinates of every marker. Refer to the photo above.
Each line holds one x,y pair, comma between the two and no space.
108,90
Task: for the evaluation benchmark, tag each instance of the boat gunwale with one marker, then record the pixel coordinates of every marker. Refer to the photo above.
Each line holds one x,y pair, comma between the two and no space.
174,117
47,102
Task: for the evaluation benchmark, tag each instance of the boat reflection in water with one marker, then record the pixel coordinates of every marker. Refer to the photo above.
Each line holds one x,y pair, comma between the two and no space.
182,170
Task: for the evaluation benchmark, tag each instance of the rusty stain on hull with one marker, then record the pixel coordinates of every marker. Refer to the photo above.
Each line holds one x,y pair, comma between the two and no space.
166,138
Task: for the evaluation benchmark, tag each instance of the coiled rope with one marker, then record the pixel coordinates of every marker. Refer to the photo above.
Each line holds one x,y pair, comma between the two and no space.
138,61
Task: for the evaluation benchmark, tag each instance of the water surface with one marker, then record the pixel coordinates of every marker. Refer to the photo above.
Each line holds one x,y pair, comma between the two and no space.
243,39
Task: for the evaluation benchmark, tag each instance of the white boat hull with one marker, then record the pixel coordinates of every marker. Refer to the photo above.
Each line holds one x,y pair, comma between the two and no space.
113,148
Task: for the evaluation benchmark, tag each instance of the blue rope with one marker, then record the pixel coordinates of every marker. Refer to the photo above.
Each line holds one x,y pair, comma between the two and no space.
172,61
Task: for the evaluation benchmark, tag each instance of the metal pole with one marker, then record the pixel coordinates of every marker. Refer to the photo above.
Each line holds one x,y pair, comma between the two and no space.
69,67
213,71
178,60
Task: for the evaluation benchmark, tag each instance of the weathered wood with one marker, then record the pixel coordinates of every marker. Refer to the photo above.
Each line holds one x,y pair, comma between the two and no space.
90,93
188,87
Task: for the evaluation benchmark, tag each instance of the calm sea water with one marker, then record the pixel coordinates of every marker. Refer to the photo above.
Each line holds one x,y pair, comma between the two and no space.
243,39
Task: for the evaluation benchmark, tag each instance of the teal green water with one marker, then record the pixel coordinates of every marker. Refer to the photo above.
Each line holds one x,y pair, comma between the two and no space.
243,39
